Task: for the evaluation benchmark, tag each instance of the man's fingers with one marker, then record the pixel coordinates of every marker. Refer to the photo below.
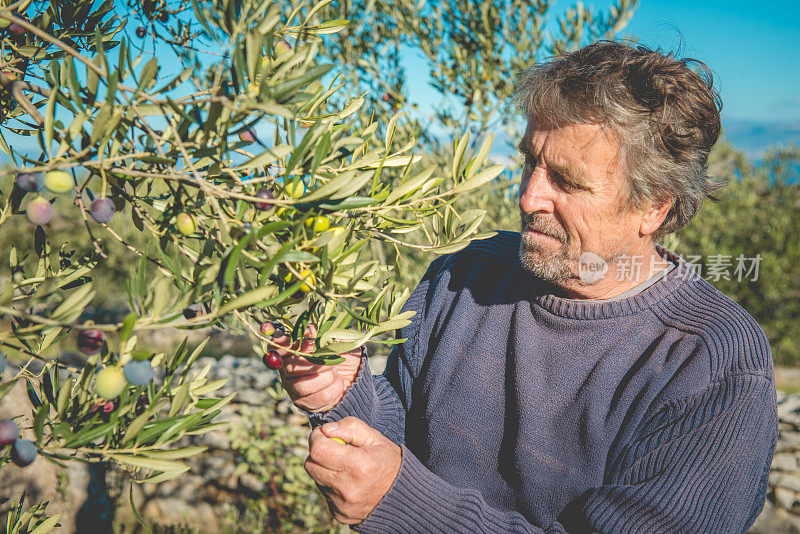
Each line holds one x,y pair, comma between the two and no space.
322,400
323,476
298,366
307,385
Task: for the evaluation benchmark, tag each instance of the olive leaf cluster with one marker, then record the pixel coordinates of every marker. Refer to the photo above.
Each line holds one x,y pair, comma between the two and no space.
253,198
33,520
67,424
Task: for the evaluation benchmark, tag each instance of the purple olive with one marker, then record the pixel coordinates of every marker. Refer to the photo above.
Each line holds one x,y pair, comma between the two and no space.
272,360
264,194
23,452
273,329
139,372
9,431
39,211
164,17
30,181
141,32
102,209
192,311
16,29
90,341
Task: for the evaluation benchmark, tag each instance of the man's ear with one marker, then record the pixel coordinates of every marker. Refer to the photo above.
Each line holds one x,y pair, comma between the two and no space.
653,218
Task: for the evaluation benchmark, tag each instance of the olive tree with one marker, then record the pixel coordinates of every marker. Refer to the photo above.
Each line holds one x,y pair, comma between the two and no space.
234,227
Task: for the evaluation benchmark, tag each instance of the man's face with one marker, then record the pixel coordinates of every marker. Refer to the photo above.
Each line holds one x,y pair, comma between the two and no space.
571,196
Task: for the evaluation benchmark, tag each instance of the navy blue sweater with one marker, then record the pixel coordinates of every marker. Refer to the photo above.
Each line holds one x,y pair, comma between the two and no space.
521,411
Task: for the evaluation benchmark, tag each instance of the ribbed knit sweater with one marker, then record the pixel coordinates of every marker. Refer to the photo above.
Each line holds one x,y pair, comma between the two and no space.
521,411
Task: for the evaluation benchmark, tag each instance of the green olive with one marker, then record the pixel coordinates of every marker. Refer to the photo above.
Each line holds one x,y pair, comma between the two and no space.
318,224
109,382
58,182
185,224
295,191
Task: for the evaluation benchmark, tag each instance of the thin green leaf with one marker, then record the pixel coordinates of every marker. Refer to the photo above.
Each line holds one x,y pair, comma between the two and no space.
166,475
64,395
48,120
147,75
478,160
181,397
47,525
127,327
153,464
459,154
90,434
410,186
479,179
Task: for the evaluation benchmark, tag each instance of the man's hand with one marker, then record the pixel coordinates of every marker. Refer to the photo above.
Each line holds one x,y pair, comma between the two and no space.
315,388
354,477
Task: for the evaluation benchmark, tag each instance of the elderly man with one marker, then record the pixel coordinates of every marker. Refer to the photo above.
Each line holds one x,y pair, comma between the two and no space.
544,385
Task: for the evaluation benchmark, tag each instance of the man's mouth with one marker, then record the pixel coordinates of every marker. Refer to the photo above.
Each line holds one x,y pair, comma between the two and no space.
539,234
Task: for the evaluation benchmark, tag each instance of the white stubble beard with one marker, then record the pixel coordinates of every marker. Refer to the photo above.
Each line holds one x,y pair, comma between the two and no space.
549,265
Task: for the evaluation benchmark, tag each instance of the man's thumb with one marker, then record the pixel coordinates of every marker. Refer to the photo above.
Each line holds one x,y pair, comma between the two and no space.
352,430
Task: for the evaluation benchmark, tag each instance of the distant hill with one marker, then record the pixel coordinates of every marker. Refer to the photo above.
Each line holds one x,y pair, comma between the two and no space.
754,137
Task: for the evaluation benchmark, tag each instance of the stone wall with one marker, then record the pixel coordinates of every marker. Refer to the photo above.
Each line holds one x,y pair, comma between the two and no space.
196,499
781,512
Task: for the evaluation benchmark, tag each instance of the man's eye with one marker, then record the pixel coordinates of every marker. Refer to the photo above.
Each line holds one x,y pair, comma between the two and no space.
567,185
561,182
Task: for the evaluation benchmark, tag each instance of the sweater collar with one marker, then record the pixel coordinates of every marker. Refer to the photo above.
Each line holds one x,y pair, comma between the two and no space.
543,295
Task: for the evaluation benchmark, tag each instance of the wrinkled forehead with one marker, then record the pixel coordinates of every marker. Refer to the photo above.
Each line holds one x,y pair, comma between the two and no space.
556,116
585,134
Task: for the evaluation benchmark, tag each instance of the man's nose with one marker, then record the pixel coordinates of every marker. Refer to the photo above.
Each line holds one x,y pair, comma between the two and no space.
536,193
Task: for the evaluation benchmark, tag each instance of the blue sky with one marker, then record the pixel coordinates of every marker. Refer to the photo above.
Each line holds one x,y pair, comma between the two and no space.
753,49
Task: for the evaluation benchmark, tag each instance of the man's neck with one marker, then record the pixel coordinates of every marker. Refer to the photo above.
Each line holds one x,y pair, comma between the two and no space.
623,274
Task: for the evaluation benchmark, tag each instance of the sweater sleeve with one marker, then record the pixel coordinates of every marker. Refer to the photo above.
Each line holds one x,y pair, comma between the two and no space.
700,464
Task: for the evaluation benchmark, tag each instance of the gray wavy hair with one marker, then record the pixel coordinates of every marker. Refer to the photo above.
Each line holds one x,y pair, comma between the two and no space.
665,115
